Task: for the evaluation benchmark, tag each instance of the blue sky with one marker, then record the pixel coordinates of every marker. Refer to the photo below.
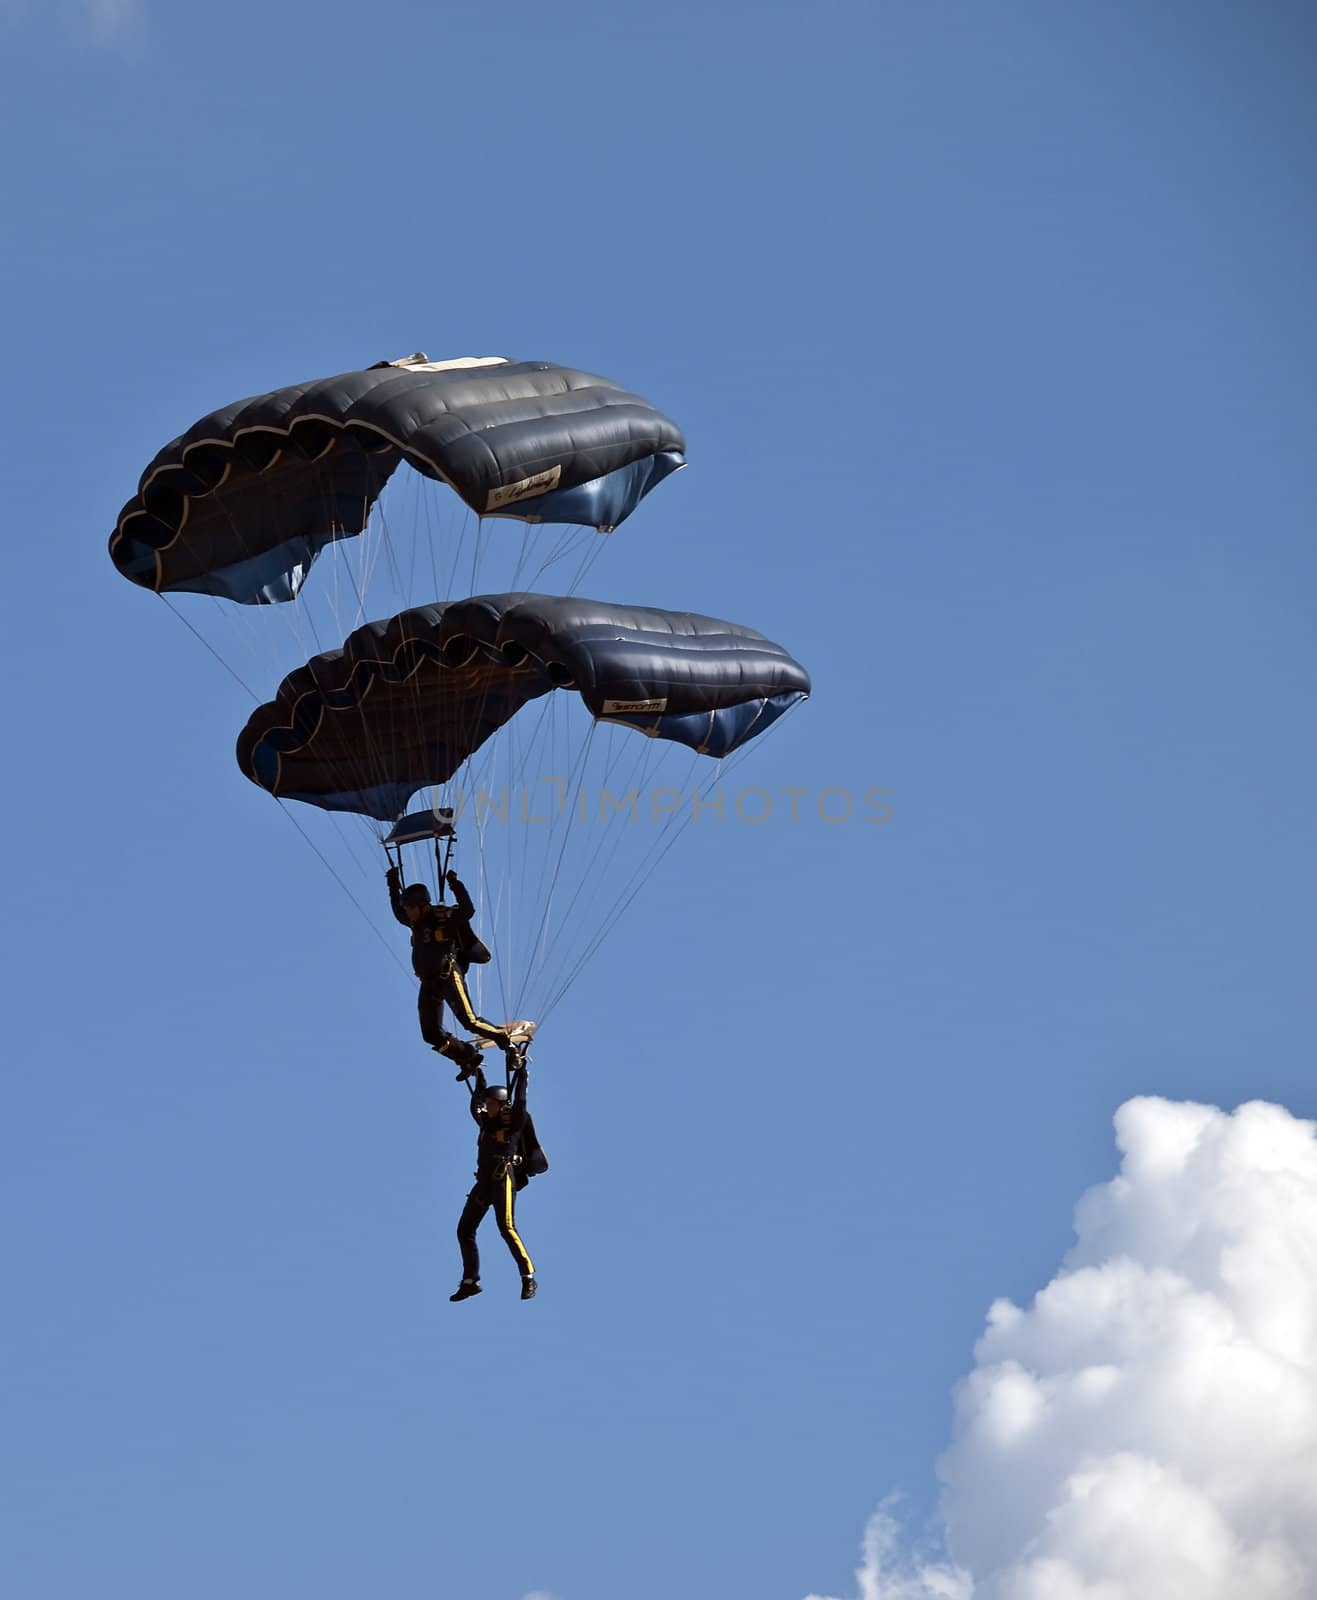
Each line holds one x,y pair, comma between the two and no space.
992,333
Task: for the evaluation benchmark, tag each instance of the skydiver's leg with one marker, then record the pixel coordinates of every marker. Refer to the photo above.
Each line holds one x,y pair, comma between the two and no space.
430,1008
507,1226
455,992
477,1204
430,1011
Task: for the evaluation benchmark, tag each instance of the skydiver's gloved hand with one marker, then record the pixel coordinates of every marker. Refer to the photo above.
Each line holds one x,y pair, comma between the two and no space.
393,878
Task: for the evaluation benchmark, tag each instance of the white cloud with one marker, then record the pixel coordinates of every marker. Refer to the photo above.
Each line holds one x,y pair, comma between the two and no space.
1147,1427
890,1570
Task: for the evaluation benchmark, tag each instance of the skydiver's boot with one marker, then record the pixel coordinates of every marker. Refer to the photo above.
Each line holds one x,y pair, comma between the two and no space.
466,1055
528,1288
466,1289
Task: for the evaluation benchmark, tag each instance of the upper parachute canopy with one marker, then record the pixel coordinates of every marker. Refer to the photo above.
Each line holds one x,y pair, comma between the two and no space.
243,502
405,702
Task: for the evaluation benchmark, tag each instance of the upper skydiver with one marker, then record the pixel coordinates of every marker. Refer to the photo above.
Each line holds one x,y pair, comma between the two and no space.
444,945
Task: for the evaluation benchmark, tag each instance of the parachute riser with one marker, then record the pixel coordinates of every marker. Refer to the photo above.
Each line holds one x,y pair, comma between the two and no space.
434,824
443,855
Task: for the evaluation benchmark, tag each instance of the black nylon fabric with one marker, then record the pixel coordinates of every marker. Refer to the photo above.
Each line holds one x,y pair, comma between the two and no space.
290,470
407,700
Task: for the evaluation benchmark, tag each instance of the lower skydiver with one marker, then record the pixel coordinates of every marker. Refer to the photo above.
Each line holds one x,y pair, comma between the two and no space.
444,945
508,1155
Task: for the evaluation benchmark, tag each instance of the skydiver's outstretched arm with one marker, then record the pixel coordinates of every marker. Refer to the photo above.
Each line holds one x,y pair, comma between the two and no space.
474,949
476,1084
394,880
520,1078
466,906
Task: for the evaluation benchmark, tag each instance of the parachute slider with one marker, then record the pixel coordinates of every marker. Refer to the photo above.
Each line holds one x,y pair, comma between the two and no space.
418,825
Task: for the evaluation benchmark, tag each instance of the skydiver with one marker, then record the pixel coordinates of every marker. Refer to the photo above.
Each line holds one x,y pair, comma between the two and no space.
444,945
507,1153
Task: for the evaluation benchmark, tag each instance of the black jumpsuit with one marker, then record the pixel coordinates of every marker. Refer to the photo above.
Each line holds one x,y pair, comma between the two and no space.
443,946
495,1185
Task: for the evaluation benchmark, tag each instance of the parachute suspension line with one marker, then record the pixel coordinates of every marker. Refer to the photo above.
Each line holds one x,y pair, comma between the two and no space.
593,863
540,736
265,653
593,549
477,553
487,895
467,771
267,656
594,857
476,545
522,557
458,548
359,560
599,861
426,503
538,943
349,843
519,899
488,899
376,757
240,635
246,687
403,599
668,835
507,905
329,867
672,830
441,863
343,558
414,483
595,873
300,623
412,689
532,538
557,551
433,525
385,554
262,651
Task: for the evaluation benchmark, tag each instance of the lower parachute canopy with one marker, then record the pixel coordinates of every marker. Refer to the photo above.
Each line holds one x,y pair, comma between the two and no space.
407,701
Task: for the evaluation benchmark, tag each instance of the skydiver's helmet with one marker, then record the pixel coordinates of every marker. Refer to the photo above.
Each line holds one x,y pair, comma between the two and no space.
415,894
495,1097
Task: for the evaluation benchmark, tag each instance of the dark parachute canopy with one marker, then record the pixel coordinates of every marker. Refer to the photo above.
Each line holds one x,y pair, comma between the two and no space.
406,701
242,503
